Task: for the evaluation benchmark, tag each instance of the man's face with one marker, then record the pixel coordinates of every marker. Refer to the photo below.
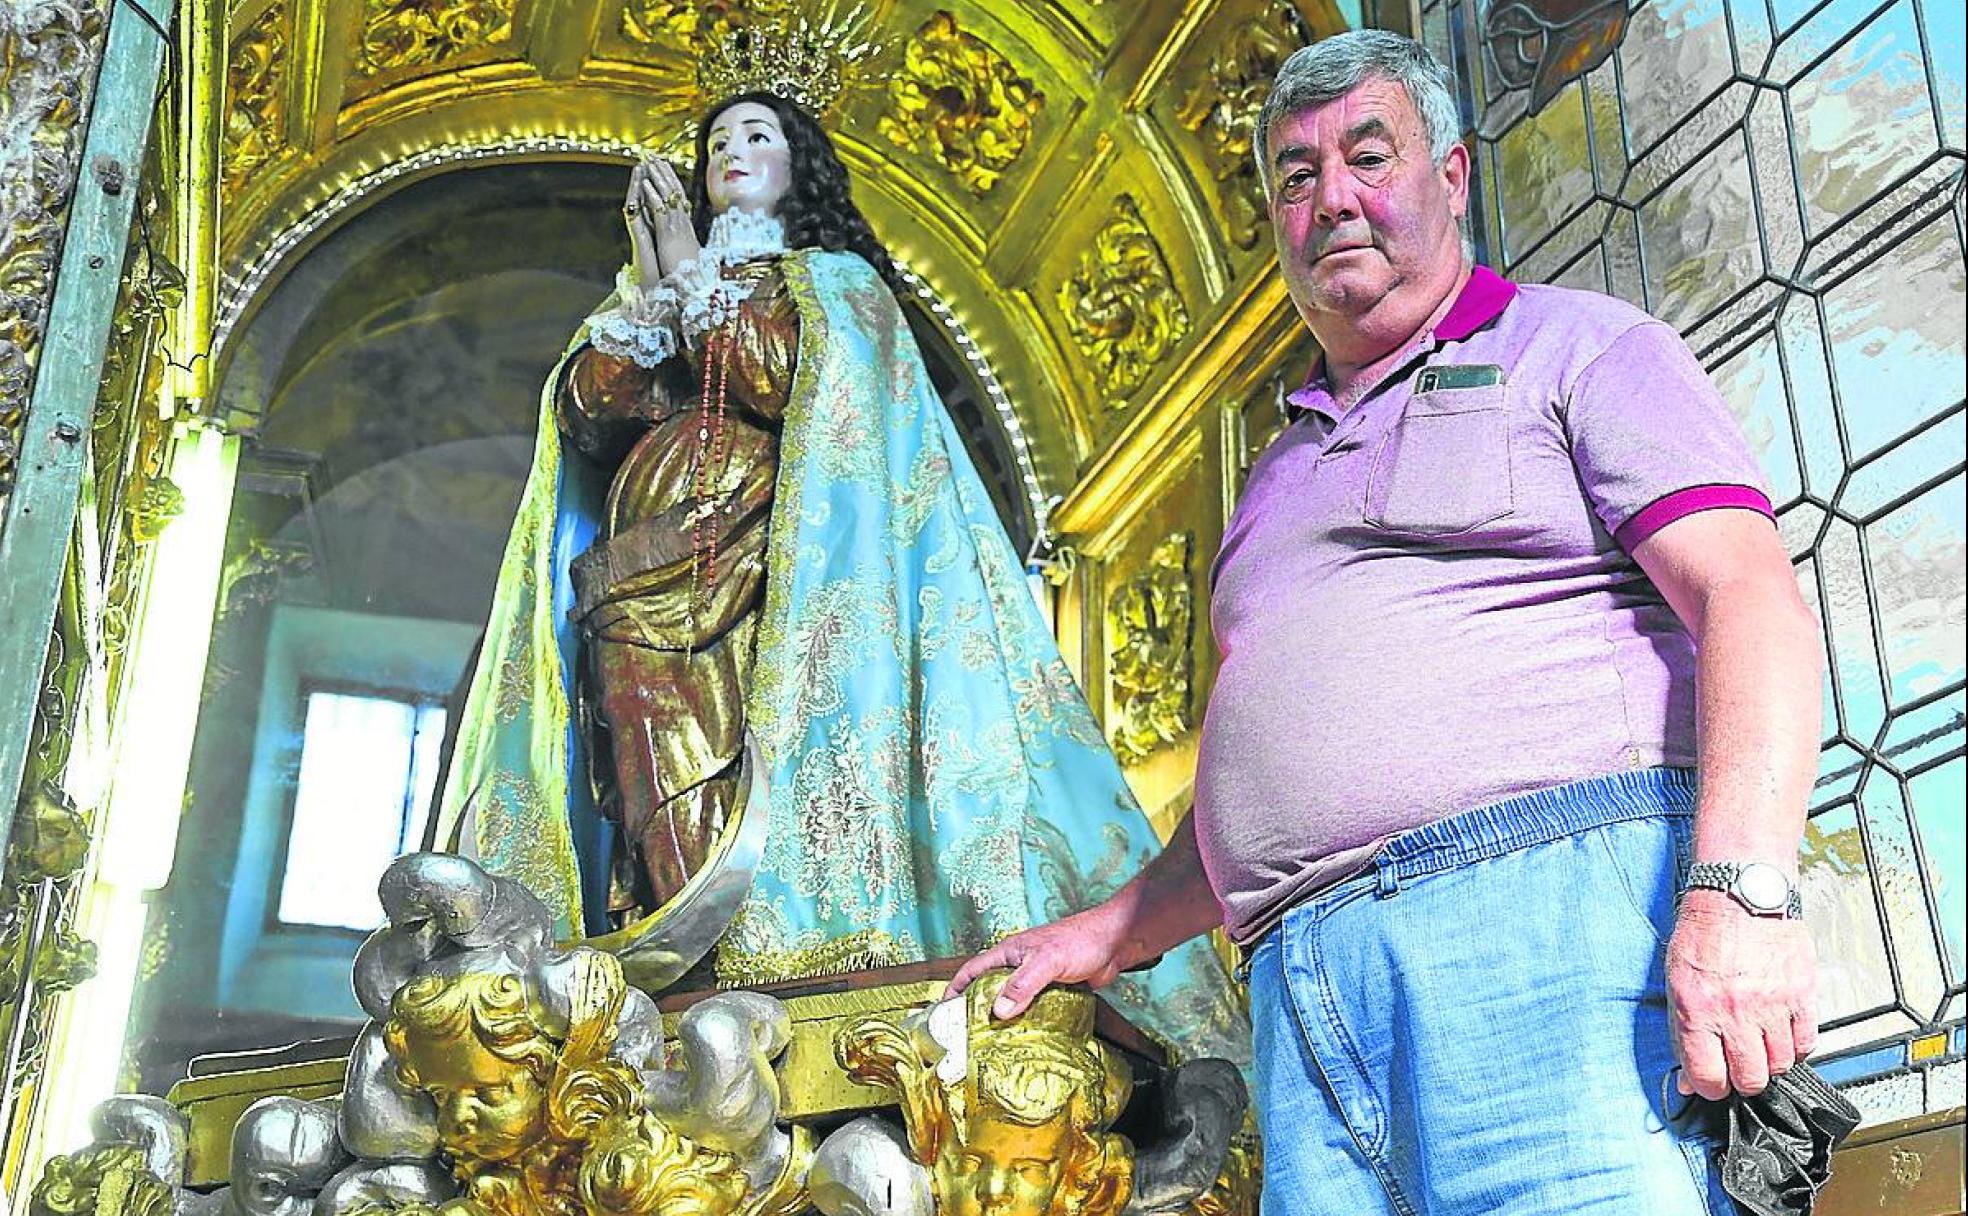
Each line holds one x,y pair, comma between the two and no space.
749,163
1357,206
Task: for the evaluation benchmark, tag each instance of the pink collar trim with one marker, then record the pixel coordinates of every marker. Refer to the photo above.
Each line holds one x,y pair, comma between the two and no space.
1481,301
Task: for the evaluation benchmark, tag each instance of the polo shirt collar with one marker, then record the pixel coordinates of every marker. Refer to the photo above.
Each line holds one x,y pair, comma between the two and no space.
1481,301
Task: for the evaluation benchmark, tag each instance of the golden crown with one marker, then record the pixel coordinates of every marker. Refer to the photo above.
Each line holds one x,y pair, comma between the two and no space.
809,60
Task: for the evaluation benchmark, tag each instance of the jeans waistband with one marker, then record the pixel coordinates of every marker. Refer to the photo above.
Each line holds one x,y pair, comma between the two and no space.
1533,819
1507,826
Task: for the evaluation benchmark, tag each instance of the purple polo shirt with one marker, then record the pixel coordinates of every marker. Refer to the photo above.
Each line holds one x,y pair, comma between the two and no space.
1428,603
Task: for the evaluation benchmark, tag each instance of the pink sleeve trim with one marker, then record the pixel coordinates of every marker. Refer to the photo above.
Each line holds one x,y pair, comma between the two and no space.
1683,503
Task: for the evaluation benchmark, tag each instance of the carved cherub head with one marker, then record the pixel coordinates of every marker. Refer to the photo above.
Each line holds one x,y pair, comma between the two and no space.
475,1044
1028,1126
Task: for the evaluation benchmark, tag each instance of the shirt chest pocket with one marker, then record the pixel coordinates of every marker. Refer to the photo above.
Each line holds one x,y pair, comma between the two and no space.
1444,467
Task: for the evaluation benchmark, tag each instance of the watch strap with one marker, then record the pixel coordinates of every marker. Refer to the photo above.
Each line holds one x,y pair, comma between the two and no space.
1722,875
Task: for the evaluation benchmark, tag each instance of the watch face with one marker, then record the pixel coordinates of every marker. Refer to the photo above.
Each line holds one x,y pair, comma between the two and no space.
1763,887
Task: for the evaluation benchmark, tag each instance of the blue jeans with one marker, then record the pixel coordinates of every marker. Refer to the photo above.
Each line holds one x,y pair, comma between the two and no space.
1479,1022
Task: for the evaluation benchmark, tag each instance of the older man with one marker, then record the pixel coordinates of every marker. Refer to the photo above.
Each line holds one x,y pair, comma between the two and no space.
1503,588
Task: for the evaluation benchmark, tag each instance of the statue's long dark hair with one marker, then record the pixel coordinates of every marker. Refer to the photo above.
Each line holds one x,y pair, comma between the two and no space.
818,209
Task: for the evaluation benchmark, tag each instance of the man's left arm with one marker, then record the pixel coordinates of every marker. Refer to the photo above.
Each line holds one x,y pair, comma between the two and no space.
1741,987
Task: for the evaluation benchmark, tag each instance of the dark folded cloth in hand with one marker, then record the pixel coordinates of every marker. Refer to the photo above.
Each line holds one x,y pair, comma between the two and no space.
1776,1156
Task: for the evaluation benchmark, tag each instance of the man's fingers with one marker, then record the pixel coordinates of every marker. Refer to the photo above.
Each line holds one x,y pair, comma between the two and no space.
1780,1048
1703,1070
1748,1054
1023,987
999,955
1804,1032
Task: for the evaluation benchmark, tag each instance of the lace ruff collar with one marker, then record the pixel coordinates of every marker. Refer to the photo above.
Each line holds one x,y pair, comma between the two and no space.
739,236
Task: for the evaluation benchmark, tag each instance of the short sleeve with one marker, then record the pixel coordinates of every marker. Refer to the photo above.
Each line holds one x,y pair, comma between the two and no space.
1653,441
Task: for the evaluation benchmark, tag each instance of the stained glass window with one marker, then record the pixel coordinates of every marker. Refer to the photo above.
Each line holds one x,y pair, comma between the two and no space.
1783,181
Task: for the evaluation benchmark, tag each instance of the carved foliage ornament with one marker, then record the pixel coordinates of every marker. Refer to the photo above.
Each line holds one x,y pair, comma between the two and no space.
1149,653
959,99
255,65
1121,305
425,33
48,53
1222,107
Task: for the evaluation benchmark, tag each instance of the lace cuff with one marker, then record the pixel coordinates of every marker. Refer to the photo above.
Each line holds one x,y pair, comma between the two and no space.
705,299
642,325
616,333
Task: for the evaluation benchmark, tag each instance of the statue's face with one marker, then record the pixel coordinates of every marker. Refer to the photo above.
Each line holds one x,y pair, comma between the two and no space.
747,162
1003,1168
487,1108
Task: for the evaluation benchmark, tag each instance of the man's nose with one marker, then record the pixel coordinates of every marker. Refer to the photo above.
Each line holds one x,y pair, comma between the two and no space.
1333,201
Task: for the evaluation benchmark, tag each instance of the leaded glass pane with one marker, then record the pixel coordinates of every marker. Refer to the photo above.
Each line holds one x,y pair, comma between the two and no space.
1784,182
1940,809
1897,356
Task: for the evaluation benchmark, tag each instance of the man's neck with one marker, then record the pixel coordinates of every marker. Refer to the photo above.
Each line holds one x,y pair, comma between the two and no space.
1360,350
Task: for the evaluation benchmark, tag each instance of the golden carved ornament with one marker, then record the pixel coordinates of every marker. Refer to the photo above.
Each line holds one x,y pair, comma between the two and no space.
160,502
665,23
1221,110
962,101
1149,653
255,66
110,1181
63,961
682,26
540,1125
1121,305
1021,1128
425,33
51,838
48,53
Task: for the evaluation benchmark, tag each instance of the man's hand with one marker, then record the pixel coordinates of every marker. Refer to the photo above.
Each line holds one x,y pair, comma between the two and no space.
1166,904
1085,948
1740,990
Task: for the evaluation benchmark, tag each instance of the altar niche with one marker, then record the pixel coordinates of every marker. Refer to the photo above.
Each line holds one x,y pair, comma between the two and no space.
387,388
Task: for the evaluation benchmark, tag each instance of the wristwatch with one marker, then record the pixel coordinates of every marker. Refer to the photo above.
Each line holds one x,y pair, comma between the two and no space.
1761,888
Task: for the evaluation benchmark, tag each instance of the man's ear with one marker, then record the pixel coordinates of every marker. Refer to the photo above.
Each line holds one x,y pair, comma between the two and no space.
1455,175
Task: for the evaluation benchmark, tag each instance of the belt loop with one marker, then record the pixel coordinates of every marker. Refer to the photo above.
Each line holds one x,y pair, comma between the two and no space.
1389,879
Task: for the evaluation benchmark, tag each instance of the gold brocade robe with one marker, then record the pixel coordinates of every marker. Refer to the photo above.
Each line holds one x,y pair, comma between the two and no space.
669,630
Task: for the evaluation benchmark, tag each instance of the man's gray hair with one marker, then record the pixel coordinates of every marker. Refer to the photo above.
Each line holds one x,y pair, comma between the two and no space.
1332,67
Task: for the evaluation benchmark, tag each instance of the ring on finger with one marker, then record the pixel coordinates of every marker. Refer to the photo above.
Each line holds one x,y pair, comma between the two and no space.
631,210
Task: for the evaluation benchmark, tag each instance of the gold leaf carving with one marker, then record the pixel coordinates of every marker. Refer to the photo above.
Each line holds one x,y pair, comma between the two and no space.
1149,653
1221,110
110,1179
255,65
665,23
1121,305
424,33
1022,1128
960,100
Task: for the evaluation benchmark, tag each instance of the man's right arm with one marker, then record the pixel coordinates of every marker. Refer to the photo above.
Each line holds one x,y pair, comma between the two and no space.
1166,904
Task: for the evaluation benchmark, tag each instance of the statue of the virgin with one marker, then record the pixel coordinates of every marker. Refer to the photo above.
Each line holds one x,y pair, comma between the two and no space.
758,623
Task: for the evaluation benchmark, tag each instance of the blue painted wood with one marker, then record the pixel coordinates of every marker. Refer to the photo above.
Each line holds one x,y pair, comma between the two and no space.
34,537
